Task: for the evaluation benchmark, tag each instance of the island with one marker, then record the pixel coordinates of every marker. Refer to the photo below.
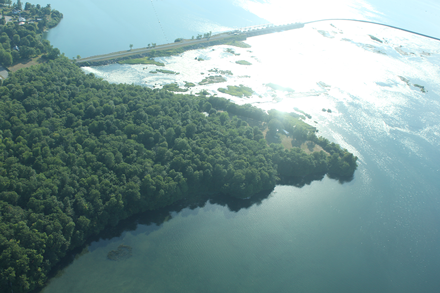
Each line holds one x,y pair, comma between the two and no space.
79,154
238,91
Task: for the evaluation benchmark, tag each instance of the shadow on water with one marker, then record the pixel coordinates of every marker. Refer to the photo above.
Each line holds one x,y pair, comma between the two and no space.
150,221
300,181
342,179
307,180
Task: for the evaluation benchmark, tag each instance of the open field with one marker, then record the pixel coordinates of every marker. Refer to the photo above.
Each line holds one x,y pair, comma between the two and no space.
27,63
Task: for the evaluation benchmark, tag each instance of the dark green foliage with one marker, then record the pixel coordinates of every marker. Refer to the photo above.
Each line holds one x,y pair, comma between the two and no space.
174,87
246,110
55,18
79,154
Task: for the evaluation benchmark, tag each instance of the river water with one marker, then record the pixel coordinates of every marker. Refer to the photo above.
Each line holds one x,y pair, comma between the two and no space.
94,27
377,233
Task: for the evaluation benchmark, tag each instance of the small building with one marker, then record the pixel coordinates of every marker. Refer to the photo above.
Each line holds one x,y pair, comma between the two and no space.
21,19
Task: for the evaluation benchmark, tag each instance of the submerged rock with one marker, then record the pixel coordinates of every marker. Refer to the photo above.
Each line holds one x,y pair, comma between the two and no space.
123,252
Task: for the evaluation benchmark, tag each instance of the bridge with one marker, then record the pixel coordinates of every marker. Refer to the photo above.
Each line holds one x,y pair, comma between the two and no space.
240,34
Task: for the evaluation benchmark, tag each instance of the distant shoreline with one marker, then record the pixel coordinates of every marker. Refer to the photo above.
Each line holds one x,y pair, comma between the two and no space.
376,23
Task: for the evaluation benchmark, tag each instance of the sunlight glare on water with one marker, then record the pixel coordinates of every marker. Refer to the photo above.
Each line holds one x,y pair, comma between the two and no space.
377,233
326,65
287,11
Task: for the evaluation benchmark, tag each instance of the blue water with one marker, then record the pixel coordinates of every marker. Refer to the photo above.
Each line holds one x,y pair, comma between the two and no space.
377,233
418,16
99,26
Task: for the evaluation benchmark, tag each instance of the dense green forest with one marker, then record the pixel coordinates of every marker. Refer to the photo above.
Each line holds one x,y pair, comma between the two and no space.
78,154
20,42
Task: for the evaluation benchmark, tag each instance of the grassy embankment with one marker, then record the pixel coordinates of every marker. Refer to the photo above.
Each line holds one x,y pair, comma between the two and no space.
237,91
243,62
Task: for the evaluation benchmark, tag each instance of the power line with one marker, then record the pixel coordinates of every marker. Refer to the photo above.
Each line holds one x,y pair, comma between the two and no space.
377,23
157,17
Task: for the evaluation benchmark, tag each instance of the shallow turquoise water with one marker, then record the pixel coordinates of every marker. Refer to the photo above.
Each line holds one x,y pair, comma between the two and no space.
98,27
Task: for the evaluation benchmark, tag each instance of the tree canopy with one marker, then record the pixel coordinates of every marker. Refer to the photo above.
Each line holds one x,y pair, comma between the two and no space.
79,154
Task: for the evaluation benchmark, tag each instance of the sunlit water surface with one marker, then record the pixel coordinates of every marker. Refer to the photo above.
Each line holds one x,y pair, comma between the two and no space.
93,27
377,233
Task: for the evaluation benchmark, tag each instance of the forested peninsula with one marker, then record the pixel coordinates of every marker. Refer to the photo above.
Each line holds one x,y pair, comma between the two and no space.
79,154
